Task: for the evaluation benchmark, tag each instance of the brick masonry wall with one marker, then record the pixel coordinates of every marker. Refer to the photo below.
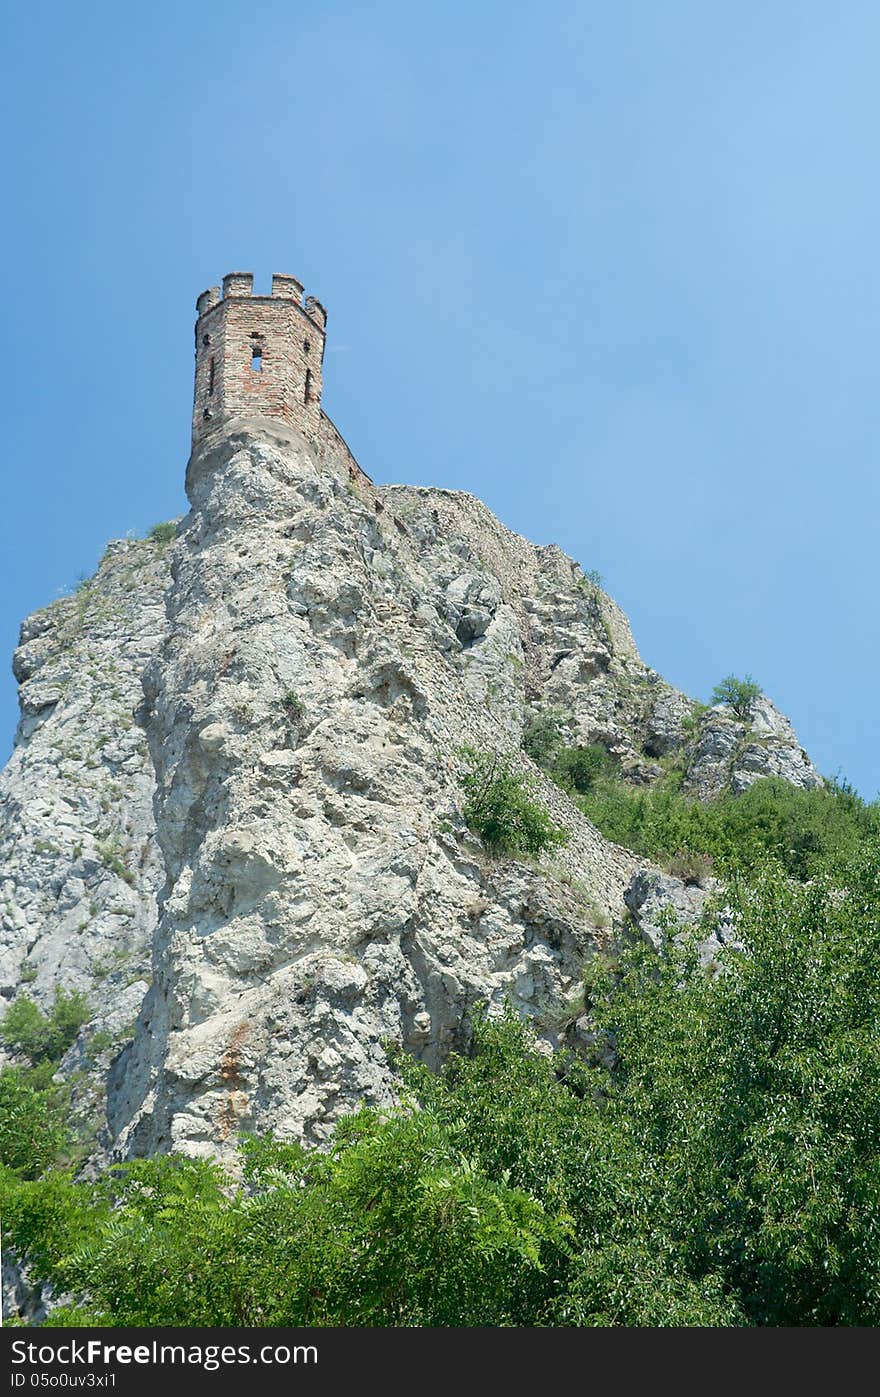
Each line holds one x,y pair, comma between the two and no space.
336,452
288,384
290,337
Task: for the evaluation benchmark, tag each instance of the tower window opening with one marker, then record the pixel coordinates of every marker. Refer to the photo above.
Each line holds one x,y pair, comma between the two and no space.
308,393
307,344
206,339
257,358
211,375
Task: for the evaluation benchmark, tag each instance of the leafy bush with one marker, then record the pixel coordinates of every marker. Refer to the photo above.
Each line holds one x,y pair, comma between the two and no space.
717,1164
43,1037
293,705
573,768
579,768
542,736
32,1126
738,695
499,806
163,533
806,831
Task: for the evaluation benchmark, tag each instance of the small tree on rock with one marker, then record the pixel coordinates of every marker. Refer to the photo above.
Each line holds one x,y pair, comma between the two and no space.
738,695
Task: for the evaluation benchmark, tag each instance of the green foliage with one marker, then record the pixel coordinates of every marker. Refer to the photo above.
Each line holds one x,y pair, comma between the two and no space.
163,533
542,736
499,806
112,856
757,1093
293,705
717,1162
46,1220
99,1042
806,831
32,1127
738,695
579,768
391,1227
573,768
693,721
594,577
25,1029
547,1128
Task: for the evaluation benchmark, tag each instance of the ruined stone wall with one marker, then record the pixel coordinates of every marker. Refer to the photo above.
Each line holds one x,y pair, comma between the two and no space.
284,382
336,452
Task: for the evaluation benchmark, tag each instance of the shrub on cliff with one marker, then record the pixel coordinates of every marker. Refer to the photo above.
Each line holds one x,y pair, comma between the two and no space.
807,832
40,1037
579,768
573,768
32,1126
542,736
500,808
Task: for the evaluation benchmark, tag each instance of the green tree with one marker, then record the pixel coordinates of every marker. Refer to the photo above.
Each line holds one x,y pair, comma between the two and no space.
738,695
756,1094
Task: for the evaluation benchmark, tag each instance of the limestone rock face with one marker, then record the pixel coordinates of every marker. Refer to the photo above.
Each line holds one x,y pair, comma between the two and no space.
232,818
327,655
729,755
79,863
662,906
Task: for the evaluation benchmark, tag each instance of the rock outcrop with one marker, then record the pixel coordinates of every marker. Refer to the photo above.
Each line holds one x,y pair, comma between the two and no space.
327,655
79,865
245,767
729,754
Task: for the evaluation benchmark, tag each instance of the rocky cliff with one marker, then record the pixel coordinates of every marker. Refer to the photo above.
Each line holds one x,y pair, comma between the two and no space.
232,816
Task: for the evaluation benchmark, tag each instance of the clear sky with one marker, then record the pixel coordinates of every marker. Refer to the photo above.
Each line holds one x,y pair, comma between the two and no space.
610,267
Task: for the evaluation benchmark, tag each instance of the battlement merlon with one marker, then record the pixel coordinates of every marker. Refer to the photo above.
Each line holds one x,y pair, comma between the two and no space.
315,311
207,300
240,286
287,287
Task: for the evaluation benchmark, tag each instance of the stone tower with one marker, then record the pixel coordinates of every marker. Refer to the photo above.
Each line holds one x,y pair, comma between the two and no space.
258,356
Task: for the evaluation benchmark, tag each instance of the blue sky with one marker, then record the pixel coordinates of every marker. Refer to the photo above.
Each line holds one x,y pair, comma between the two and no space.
612,268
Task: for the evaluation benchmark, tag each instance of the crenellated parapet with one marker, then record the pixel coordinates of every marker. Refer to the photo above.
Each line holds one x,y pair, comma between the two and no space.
258,356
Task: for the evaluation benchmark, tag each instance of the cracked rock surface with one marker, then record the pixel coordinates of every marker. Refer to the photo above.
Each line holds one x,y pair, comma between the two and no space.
232,817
